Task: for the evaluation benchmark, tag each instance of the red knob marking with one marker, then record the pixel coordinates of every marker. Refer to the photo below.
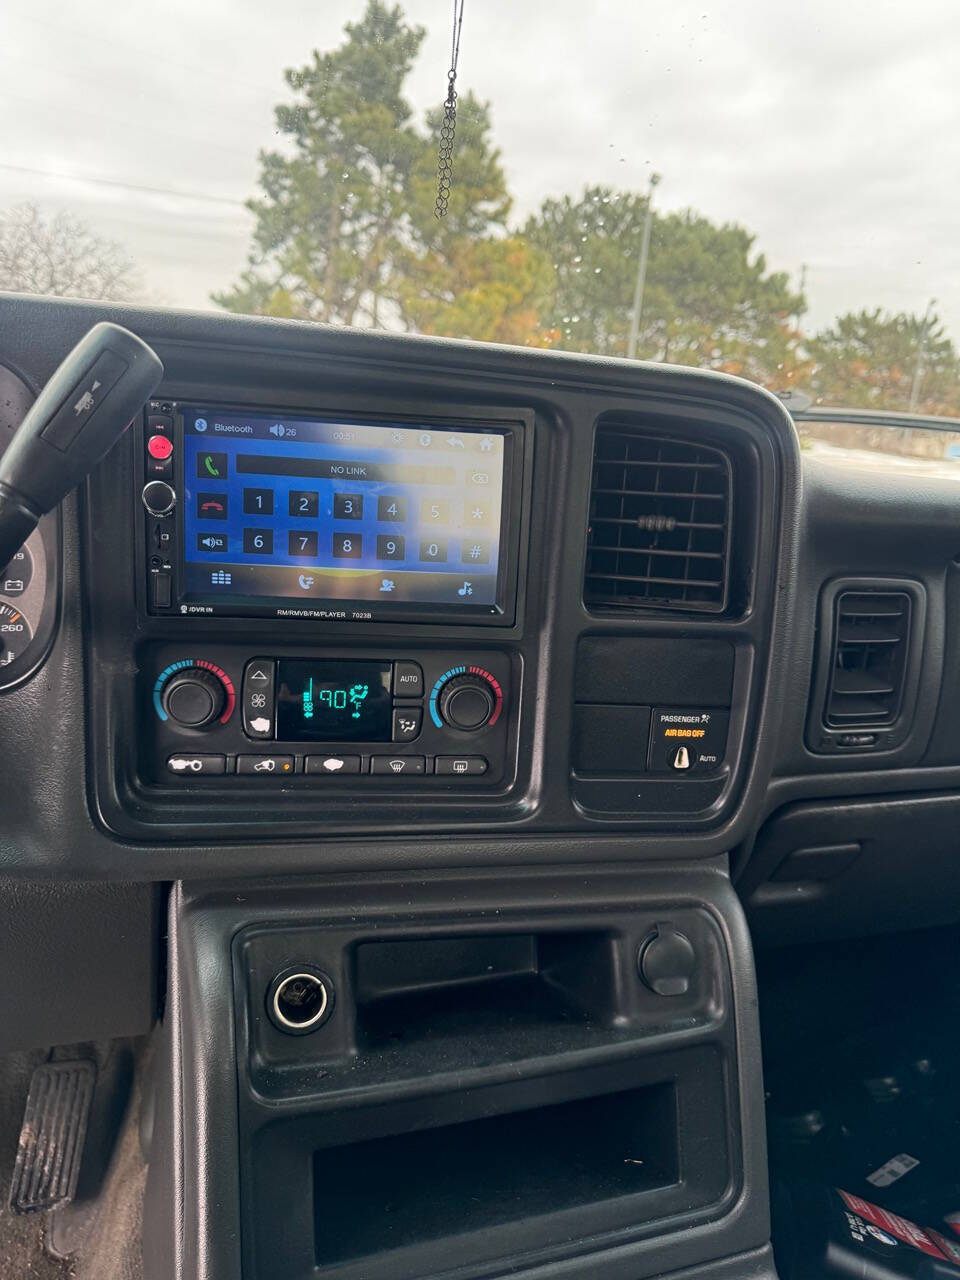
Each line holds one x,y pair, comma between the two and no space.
159,447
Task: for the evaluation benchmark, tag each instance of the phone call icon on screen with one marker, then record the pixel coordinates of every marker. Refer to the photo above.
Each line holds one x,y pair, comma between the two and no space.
211,466
212,506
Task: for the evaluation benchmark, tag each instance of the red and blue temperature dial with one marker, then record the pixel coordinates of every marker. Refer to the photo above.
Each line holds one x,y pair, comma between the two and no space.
194,694
466,698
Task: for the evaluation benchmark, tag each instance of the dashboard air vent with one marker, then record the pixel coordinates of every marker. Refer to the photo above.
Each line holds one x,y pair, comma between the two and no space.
659,534
870,643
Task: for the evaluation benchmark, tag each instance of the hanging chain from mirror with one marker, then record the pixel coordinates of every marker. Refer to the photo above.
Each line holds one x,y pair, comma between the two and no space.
448,126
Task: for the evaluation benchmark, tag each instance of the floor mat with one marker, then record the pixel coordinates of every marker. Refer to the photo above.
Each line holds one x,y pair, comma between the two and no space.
862,1061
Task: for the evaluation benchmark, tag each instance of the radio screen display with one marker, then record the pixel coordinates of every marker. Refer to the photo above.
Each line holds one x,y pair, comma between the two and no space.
333,701
309,513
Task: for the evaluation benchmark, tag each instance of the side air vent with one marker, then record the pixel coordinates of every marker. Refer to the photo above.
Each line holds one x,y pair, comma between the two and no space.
659,531
871,640
868,693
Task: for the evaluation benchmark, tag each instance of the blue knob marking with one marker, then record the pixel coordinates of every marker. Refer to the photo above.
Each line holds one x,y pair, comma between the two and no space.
162,679
435,692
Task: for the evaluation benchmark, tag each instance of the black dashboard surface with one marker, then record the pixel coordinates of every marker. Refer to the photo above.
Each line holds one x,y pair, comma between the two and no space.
80,800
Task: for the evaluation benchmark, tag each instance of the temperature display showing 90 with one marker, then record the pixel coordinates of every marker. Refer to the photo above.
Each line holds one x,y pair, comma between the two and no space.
333,701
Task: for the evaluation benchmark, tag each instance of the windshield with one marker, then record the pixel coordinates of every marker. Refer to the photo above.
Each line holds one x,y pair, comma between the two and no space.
762,189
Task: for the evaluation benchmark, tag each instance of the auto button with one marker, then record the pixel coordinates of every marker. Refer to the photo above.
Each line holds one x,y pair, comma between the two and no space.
407,680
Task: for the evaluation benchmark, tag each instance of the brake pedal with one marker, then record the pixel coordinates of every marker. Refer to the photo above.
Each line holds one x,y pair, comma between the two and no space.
52,1137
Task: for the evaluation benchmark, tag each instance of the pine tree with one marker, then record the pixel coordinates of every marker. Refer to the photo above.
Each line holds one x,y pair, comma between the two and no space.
332,212
869,359
709,298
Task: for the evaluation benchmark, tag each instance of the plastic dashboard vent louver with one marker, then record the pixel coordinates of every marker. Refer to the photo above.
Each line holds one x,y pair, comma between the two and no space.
659,530
870,642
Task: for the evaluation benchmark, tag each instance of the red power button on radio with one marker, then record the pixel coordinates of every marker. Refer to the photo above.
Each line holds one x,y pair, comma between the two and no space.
159,447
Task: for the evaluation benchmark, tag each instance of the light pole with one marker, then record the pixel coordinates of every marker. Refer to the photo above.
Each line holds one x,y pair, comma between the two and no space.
637,308
803,290
921,351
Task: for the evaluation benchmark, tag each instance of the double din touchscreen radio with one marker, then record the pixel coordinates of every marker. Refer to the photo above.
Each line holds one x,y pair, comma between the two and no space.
284,515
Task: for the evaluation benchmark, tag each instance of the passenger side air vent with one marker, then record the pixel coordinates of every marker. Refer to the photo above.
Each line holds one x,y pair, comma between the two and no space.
871,639
659,532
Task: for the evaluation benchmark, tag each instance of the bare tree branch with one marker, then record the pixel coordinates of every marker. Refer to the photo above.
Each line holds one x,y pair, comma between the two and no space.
60,255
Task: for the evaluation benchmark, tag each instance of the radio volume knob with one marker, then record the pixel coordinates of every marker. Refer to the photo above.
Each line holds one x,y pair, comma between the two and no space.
467,702
194,698
159,497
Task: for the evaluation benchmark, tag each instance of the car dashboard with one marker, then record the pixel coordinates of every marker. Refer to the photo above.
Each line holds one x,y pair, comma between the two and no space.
558,681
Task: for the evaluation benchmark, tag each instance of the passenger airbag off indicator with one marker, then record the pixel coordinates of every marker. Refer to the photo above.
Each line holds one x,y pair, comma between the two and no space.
687,741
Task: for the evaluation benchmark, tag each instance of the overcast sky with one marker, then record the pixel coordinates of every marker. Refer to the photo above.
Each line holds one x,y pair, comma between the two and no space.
830,128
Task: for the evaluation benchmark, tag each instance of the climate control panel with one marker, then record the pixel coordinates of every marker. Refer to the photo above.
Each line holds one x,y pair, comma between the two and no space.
334,717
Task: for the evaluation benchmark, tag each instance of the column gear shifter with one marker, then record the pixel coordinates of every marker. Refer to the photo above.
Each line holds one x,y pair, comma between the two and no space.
83,410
